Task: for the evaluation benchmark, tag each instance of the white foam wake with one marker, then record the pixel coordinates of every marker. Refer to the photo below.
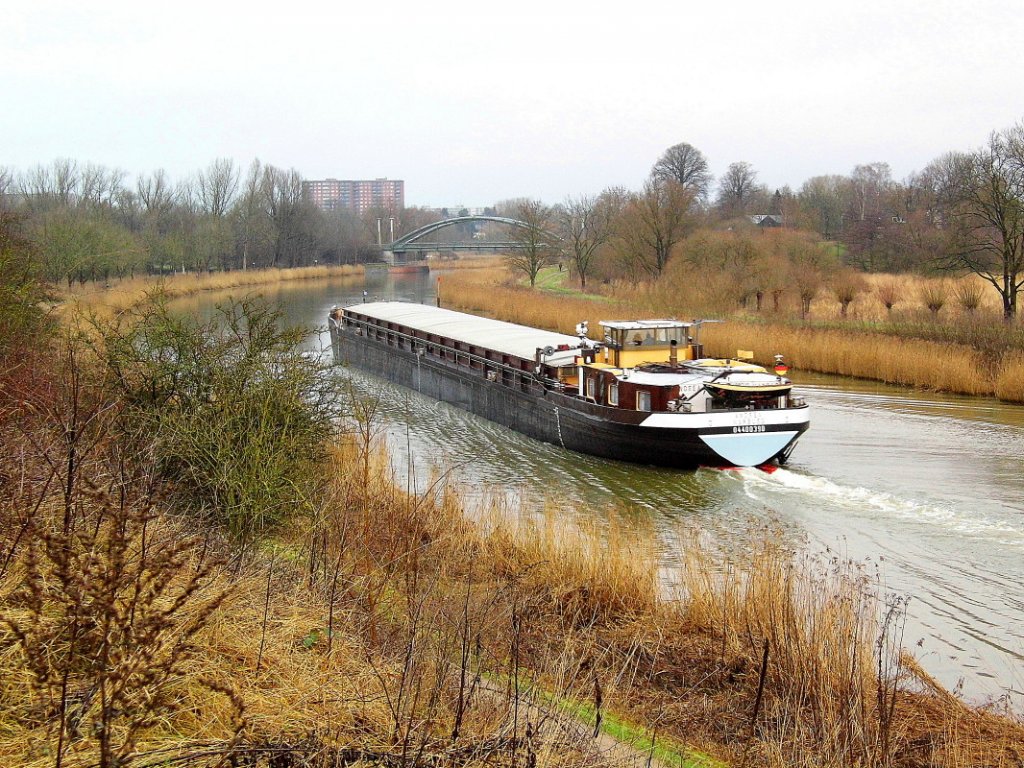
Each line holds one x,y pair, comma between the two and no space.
877,504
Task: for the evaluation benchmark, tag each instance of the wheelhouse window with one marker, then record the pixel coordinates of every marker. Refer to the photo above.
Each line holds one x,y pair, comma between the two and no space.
643,400
613,394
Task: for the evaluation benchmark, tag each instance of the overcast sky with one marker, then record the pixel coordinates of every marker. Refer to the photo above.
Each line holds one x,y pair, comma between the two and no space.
471,103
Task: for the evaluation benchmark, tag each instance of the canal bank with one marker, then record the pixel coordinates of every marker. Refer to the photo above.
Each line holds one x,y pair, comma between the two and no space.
925,491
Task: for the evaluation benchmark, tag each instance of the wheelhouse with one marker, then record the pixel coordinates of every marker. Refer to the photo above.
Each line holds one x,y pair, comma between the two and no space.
633,342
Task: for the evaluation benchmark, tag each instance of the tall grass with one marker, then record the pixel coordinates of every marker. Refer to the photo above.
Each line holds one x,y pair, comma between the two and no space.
132,292
380,627
815,625
1010,379
487,292
971,356
909,362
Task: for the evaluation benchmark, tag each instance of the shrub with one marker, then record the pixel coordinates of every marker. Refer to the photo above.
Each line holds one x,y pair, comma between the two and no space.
104,618
847,285
969,295
934,294
237,415
21,289
889,293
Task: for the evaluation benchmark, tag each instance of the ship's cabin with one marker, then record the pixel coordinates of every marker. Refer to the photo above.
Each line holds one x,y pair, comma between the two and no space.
658,366
628,344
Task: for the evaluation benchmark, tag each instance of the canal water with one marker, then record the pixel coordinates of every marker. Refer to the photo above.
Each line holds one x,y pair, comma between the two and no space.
927,491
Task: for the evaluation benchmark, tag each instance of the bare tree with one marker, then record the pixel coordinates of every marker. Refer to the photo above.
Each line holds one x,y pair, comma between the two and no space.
290,216
537,247
217,186
247,212
736,188
6,185
155,193
687,166
984,192
869,184
45,187
99,186
652,223
586,225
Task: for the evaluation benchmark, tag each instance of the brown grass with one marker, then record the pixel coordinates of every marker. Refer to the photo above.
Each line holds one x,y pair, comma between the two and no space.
386,625
129,293
390,629
909,362
980,368
480,261
489,292
1010,380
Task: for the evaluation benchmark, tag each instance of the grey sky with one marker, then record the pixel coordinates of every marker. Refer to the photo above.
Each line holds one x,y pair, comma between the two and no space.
534,99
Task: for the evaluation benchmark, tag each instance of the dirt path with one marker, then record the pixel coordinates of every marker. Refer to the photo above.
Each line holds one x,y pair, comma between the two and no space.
547,725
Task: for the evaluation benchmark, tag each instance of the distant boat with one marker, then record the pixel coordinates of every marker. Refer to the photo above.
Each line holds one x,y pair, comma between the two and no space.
643,394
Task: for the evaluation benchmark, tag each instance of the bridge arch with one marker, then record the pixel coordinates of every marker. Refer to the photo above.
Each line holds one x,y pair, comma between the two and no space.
409,242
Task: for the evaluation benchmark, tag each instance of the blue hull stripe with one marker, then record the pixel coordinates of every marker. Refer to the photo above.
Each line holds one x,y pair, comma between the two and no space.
748,450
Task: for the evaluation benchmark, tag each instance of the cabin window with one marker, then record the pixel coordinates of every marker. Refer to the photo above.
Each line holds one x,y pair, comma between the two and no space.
591,387
643,401
613,394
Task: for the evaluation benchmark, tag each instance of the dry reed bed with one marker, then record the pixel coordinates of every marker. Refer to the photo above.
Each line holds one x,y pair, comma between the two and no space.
909,362
129,293
582,607
386,626
1010,378
906,361
488,292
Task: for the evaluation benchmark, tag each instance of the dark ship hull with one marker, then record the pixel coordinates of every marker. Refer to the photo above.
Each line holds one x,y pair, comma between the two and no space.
521,401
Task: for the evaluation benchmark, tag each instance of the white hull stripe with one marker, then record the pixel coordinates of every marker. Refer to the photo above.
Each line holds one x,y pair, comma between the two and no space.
727,419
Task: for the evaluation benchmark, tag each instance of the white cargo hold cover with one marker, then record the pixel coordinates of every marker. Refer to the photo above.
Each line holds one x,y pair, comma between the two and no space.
506,338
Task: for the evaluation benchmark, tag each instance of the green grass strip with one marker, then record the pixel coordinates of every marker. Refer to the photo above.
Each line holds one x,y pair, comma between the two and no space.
666,751
551,280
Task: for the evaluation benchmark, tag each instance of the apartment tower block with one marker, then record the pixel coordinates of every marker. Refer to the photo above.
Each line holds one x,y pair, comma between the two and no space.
357,196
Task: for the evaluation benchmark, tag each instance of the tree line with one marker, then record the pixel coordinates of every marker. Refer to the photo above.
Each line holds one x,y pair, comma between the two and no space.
964,212
89,222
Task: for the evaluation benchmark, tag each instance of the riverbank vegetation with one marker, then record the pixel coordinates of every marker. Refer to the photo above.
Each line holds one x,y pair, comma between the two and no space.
874,273
201,565
889,333
132,292
912,281
369,626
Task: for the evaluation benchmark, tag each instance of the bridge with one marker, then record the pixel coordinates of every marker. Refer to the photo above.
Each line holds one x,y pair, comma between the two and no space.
412,244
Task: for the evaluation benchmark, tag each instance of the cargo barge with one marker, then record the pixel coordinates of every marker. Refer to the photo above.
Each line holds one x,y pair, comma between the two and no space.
644,393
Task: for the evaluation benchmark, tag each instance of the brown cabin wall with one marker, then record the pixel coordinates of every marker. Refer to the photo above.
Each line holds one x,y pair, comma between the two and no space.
659,396
627,391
